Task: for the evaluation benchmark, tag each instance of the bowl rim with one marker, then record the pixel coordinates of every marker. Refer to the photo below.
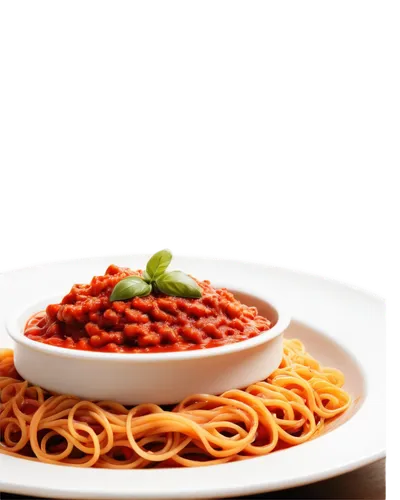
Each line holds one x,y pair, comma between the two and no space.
12,320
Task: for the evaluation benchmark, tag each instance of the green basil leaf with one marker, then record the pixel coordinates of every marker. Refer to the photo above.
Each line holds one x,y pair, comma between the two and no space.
158,264
130,287
178,284
146,277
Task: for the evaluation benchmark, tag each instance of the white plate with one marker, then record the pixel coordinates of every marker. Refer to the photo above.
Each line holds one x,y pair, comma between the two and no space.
341,326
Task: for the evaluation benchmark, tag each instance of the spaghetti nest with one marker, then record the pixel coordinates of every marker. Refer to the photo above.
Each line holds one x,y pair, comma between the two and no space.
286,409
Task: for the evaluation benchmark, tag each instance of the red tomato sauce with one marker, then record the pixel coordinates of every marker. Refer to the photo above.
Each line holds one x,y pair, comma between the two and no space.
87,320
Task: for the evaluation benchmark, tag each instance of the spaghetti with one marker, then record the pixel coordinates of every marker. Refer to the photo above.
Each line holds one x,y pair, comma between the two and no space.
286,409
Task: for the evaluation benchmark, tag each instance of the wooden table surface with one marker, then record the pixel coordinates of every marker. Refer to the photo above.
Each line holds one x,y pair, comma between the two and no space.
367,483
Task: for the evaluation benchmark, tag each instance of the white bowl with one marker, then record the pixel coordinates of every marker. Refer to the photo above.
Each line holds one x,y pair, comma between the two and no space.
161,378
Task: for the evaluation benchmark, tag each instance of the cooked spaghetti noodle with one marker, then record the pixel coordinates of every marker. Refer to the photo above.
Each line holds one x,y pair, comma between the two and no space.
285,410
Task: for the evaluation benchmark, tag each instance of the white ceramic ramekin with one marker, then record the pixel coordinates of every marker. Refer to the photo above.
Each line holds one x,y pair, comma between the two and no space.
161,378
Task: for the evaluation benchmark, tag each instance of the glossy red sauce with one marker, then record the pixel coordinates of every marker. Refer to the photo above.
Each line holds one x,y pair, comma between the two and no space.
87,320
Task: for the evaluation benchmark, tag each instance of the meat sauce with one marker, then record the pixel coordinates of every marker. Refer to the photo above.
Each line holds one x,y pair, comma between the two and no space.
87,320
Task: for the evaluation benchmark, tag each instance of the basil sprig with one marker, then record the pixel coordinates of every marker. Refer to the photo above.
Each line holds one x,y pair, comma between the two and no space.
175,283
